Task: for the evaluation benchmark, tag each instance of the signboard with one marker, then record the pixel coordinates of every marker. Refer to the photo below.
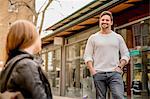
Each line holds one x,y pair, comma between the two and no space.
134,52
58,41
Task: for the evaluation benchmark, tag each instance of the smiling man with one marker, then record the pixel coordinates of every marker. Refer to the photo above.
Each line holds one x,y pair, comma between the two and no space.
102,58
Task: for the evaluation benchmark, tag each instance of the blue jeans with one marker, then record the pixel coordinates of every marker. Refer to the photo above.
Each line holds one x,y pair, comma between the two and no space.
113,81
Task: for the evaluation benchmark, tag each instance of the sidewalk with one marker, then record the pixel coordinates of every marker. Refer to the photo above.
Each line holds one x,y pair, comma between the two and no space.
60,97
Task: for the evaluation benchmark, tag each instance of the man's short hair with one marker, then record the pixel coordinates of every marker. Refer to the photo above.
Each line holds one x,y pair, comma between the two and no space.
107,13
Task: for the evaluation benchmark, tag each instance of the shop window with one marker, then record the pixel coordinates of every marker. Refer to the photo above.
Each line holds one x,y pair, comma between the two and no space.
141,71
145,40
50,66
141,33
44,60
75,68
137,40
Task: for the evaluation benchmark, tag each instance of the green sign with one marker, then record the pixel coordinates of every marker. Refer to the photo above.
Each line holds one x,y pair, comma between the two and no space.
134,52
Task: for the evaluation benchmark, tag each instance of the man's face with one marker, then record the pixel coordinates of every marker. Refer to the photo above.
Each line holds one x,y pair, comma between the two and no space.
105,22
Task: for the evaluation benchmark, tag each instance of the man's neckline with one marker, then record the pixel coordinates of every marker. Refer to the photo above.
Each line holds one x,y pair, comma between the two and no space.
105,34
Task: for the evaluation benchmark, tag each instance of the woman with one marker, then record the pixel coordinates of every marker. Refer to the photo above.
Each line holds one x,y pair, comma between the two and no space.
22,71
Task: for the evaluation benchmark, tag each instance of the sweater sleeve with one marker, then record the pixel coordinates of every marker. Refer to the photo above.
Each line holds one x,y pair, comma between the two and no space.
88,54
123,49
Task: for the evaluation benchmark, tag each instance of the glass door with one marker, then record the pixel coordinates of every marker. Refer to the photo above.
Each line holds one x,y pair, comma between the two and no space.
54,65
73,84
75,69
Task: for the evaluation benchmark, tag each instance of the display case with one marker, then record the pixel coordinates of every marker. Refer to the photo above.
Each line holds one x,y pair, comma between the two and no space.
140,58
146,69
136,57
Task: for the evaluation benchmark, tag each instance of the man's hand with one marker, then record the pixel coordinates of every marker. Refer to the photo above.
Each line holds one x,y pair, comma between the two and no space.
118,69
11,95
90,67
93,72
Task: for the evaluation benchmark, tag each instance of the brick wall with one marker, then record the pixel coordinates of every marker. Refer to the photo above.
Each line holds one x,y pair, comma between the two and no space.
7,16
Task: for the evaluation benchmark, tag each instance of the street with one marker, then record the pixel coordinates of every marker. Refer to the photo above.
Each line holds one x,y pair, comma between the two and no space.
60,97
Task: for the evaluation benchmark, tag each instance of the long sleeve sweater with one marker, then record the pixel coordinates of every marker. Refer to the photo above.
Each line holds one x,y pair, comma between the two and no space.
103,51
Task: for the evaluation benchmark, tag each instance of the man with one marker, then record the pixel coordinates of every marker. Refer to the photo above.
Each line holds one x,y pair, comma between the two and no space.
102,58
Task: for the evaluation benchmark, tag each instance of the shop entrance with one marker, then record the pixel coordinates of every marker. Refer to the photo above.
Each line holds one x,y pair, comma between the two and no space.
74,69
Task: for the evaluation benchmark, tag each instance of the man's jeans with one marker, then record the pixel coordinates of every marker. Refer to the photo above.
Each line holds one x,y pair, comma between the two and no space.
112,80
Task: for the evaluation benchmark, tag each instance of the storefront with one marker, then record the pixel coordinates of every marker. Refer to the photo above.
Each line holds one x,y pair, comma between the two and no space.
69,75
52,66
139,45
77,74
78,81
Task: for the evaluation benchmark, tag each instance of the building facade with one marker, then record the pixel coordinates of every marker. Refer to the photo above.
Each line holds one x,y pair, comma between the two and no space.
10,11
63,50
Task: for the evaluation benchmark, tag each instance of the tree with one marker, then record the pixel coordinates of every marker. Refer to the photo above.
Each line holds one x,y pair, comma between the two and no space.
42,10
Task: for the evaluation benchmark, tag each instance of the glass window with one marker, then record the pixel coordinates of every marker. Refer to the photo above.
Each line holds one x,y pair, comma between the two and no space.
50,66
44,61
54,65
141,33
78,79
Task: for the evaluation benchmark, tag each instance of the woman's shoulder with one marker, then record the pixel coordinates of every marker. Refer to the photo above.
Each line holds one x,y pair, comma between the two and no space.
25,67
22,61
27,61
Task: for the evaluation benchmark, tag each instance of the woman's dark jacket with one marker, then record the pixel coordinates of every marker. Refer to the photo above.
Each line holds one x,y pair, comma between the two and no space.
23,73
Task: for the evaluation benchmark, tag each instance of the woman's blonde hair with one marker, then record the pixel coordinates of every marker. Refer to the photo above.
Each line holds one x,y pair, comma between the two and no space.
22,34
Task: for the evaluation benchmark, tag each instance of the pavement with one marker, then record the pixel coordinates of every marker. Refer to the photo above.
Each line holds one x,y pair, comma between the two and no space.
60,97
